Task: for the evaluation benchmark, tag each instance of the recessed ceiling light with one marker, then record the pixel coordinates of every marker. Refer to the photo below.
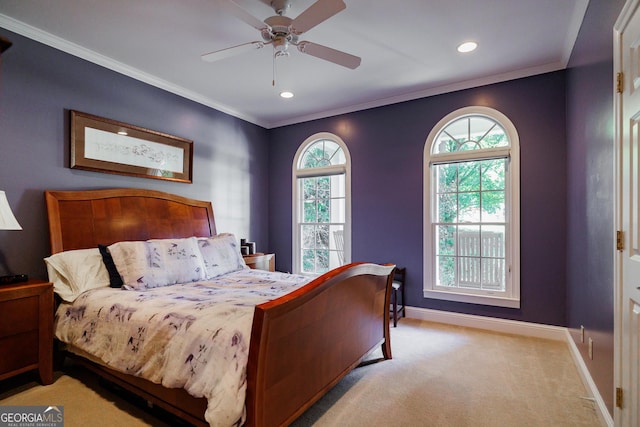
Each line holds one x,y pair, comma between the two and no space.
286,94
467,47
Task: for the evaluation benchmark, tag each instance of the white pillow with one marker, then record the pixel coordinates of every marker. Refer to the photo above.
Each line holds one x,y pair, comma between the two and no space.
74,272
154,263
221,254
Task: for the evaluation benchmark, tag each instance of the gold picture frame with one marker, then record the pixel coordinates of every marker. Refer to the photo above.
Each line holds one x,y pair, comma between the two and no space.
104,145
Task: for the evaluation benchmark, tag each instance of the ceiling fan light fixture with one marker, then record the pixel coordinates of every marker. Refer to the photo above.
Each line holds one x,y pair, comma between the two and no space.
467,47
286,94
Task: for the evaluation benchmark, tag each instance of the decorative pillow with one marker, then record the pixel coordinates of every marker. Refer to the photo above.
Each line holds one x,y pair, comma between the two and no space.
115,281
77,271
154,263
221,254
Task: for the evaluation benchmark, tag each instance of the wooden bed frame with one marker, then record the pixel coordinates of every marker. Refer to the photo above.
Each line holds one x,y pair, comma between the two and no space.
302,343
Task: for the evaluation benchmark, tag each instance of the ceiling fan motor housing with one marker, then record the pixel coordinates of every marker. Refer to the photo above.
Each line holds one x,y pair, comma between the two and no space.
280,31
281,6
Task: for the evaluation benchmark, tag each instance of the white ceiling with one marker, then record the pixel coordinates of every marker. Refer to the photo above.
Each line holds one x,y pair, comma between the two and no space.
408,48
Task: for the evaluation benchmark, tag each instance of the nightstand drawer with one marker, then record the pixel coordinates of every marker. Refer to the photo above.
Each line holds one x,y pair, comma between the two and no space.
21,351
19,315
26,329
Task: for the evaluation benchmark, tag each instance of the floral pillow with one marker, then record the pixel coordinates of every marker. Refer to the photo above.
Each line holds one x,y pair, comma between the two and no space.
155,263
221,254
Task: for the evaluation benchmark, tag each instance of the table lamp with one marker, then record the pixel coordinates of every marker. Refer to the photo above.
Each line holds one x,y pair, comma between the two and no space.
8,222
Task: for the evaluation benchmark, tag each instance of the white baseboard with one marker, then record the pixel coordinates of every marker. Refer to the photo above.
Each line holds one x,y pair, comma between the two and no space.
587,380
515,327
528,329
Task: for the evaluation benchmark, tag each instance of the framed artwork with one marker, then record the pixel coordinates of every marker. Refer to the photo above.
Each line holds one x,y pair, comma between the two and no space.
104,145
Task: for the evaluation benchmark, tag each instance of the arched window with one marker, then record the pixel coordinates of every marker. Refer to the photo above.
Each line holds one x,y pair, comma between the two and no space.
321,205
472,209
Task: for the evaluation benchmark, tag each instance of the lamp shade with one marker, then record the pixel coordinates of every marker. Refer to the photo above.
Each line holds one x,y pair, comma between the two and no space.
7,220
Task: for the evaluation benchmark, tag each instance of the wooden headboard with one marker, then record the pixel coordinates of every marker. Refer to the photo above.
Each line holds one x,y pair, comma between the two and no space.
84,219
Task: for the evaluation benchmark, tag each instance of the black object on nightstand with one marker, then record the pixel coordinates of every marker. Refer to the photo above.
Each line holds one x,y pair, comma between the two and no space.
15,278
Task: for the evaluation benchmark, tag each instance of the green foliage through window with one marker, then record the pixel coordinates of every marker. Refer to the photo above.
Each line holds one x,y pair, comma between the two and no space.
470,207
322,204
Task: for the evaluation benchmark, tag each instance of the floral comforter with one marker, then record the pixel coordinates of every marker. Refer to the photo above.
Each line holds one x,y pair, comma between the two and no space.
193,336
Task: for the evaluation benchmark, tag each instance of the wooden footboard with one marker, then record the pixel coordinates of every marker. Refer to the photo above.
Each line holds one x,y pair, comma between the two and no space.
303,343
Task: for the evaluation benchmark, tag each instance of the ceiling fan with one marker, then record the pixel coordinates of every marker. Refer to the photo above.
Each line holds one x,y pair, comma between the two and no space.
280,31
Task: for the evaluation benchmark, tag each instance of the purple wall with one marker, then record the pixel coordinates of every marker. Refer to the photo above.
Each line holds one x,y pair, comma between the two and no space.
40,84
590,186
386,146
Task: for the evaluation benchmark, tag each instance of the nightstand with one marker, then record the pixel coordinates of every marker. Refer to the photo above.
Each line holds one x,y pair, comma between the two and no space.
260,261
26,329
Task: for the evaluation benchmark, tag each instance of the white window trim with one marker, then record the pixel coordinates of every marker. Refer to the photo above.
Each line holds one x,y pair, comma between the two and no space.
512,297
324,171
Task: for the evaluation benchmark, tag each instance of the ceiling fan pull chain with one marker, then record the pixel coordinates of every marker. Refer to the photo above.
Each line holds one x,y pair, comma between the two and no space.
273,82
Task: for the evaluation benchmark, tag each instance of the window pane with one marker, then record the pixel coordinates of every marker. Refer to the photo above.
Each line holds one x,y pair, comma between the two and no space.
446,271
337,237
493,241
339,158
469,272
479,126
458,130
493,274
470,133
322,236
336,245
469,240
322,261
338,186
469,205
308,261
308,188
447,178
493,207
447,207
330,150
493,174
324,187
446,143
308,237
322,153
338,211
312,157
497,137
469,176
324,210
446,238
310,213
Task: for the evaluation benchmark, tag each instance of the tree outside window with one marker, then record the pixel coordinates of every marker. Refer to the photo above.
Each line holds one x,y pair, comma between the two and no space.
470,217
320,187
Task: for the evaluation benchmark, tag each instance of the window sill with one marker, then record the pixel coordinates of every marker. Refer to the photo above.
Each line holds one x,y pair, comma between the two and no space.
473,299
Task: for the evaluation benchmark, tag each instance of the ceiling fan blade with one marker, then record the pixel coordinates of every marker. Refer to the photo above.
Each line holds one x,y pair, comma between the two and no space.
233,8
316,13
329,54
231,51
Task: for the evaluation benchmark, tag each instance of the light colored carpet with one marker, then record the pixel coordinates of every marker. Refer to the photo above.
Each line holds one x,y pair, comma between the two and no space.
440,375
